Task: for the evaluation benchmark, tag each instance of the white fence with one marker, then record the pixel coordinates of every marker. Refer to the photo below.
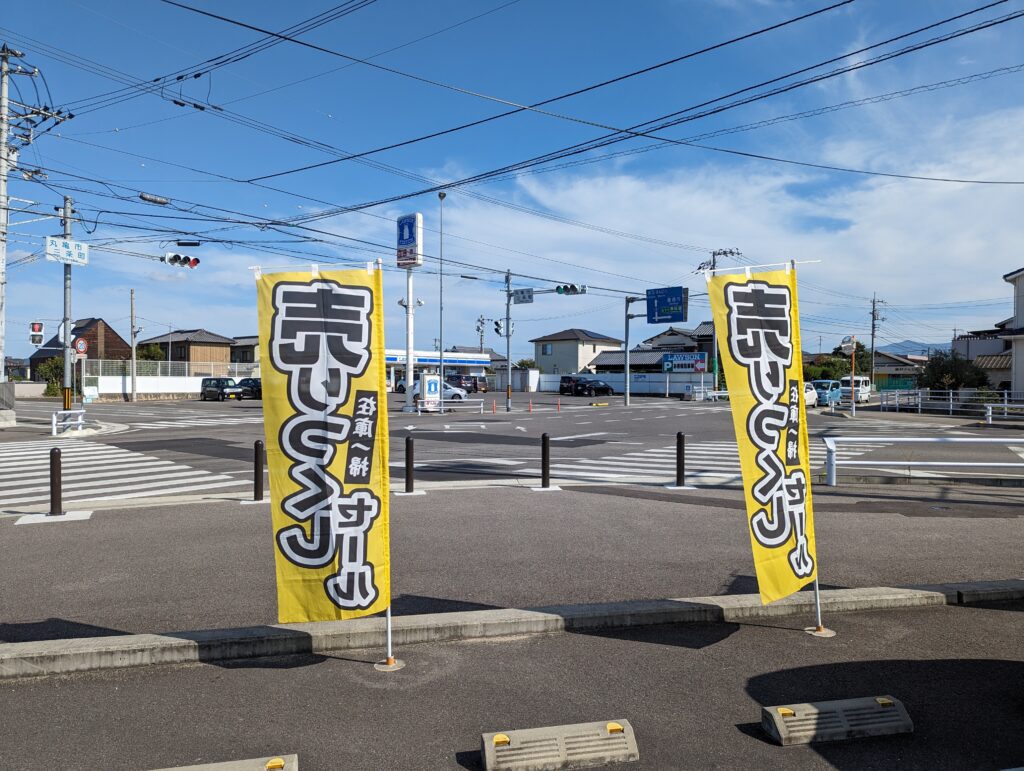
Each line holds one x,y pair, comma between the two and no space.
113,377
967,402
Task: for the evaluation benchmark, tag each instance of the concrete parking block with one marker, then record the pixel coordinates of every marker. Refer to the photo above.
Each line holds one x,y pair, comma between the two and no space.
272,763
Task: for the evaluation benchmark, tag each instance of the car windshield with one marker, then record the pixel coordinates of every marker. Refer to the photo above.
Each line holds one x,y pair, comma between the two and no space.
227,382
821,384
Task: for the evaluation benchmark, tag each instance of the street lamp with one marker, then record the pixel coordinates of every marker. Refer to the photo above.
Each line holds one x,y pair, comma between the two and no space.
440,334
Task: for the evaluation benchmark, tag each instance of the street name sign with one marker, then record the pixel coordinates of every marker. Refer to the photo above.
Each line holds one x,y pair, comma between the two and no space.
667,304
522,296
60,249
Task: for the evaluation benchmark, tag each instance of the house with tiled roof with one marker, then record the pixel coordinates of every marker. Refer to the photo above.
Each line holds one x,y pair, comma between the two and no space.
571,350
193,345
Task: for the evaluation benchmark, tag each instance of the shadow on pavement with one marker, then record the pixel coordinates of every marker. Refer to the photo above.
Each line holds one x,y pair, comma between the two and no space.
414,604
691,635
52,629
967,712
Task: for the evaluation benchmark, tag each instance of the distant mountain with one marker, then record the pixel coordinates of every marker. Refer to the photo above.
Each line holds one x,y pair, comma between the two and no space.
912,346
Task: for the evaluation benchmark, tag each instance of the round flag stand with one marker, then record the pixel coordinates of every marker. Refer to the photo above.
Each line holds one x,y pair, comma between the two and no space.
390,664
819,630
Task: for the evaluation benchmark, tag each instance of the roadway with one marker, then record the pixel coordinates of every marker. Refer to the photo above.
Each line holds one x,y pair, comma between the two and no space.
163,449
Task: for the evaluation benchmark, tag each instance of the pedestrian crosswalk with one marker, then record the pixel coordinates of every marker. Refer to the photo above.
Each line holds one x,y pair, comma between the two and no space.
719,458
97,472
880,426
198,422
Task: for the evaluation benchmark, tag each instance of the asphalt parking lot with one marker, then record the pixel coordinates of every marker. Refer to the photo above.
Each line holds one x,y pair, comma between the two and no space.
692,693
200,566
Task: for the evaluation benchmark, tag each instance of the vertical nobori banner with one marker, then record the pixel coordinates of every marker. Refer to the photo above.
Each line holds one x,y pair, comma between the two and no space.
325,417
758,329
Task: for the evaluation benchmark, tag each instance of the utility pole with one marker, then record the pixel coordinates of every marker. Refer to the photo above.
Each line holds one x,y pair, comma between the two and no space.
713,265
508,340
30,121
875,318
69,366
5,74
625,368
134,332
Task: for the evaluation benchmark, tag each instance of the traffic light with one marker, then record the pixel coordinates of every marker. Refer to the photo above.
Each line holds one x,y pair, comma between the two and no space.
499,328
571,289
36,331
180,260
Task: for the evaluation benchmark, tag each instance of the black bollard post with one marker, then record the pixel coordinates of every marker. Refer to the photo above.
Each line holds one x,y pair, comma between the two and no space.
410,460
545,461
56,499
257,470
680,459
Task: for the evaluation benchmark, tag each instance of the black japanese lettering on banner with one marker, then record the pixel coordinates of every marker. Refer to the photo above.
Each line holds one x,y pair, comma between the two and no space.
760,339
320,338
792,448
359,462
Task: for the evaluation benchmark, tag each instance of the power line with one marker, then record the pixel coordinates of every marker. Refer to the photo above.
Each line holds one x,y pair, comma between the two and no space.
619,135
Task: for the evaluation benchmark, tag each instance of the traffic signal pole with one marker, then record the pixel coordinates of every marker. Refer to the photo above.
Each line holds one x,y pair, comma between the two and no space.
5,75
69,367
625,368
508,340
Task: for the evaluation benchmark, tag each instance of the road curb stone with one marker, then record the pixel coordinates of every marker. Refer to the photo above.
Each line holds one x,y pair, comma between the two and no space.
53,657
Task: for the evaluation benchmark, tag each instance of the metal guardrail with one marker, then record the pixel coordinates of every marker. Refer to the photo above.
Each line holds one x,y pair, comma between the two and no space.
62,420
831,451
968,402
420,409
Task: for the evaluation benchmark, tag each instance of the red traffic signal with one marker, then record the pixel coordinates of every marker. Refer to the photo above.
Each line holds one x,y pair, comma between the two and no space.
36,330
180,260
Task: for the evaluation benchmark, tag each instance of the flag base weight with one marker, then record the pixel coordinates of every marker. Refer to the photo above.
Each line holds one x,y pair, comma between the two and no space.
820,631
389,665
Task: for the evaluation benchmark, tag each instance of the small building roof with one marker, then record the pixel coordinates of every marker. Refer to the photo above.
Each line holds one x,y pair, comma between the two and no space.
580,335
189,336
994,361
246,340
618,358
704,329
905,360
1013,274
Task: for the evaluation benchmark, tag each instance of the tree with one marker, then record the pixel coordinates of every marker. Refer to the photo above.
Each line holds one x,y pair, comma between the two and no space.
526,364
151,352
863,360
950,371
51,372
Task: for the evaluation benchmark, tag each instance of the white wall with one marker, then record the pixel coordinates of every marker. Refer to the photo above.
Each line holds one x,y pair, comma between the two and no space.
148,384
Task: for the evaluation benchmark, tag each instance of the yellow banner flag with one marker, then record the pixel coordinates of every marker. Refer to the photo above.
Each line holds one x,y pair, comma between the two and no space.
326,422
758,330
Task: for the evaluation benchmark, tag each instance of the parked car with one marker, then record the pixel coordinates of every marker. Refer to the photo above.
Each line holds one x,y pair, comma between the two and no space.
219,388
400,385
862,387
810,395
252,388
828,392
567,385
448,392
469,383
592,388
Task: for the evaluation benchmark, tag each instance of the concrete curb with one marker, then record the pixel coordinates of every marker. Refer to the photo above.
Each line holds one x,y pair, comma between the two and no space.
99,653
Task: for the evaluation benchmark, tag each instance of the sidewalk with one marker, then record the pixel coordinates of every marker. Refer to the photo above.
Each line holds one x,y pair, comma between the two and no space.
210,565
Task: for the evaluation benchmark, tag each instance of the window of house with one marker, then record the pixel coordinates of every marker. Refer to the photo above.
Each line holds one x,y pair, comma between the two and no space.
179,352
545,349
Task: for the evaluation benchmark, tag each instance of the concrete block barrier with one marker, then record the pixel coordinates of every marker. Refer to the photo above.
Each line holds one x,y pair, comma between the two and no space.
52,657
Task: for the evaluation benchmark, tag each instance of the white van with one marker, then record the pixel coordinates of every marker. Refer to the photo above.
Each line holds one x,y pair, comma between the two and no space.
862,387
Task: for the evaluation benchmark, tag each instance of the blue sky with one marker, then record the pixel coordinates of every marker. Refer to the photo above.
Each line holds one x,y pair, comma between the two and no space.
621,222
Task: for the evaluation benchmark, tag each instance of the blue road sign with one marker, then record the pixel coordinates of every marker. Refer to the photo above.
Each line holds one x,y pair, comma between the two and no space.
667,304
